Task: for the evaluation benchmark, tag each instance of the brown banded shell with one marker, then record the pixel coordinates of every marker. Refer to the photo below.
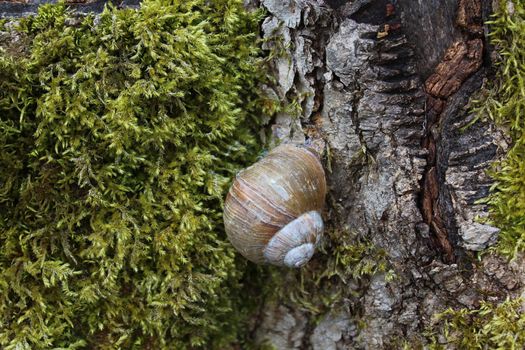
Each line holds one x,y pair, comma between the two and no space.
272,211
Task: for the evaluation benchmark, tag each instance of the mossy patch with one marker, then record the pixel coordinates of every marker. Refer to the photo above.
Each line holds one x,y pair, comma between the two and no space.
505,103
119,139
491,326
340,271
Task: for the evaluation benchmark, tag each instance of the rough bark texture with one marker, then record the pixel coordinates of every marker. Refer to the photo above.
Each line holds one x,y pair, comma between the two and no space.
386,85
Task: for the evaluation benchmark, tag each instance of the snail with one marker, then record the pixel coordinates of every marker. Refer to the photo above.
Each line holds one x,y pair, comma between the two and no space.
272,213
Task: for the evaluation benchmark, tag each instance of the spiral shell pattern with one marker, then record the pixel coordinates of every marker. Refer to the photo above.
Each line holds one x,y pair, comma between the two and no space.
270,194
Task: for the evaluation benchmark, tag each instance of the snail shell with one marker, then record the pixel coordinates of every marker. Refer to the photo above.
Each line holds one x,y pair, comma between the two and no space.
272,211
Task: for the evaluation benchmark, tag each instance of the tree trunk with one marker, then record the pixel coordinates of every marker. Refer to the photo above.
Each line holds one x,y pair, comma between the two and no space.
385,87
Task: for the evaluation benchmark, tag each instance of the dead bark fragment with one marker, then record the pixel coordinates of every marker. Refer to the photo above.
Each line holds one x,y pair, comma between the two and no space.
469,16
461,60
441,235
431,191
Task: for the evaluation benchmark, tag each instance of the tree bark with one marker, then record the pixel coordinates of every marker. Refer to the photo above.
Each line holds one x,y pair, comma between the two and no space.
385,87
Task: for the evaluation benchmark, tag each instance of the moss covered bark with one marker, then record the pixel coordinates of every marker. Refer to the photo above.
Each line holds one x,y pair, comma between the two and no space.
505,104
492,325
118,140
489,327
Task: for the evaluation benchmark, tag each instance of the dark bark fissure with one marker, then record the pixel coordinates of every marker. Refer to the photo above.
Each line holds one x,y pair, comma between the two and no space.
462,59
375,12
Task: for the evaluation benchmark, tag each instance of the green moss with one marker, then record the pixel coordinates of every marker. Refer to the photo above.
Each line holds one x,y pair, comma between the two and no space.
339,272
505,104
118,141
489,327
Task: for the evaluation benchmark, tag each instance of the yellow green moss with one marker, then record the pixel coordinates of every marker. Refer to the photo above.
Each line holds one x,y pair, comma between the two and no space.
119,139
505,104
491,326
326,281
